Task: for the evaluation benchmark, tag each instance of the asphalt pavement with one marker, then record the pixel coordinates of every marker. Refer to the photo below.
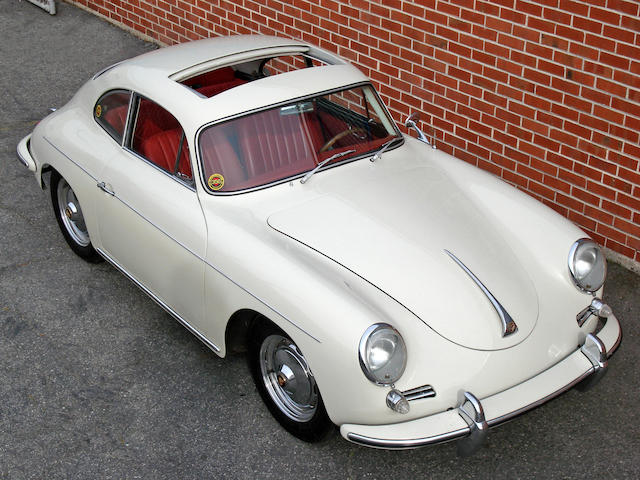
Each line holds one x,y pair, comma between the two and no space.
96,381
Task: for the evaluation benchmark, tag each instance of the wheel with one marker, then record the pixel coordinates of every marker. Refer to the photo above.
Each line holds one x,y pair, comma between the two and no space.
339,136
70,219
286,384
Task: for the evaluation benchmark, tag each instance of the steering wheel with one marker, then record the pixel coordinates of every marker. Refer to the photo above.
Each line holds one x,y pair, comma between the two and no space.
329,143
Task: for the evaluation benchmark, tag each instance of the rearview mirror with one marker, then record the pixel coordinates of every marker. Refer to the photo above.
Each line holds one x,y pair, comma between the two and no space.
296,109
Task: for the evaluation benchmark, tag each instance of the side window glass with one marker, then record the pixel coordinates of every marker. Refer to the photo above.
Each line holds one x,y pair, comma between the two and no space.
111,113
158,137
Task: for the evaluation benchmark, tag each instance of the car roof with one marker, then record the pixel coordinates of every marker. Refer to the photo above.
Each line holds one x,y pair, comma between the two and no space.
169,61
156,75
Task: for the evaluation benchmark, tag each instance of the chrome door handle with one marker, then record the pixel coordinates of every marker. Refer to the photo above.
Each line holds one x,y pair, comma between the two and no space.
102,186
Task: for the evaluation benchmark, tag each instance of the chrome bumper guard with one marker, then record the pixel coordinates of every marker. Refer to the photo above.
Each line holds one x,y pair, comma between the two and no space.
472,412
472,432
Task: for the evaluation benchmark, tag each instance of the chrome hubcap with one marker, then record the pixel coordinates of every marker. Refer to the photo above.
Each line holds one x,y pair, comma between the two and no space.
288,379
71,211
71,214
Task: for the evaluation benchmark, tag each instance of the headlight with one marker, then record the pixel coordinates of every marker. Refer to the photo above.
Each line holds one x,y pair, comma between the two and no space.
587,265
383,354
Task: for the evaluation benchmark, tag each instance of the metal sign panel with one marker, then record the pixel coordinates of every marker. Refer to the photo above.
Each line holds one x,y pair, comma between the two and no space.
48,5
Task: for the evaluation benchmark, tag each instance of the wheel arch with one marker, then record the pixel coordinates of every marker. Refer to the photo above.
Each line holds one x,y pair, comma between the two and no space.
238,327
240,324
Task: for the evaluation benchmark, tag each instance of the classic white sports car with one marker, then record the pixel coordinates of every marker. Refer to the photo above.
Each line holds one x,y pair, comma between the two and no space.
258,190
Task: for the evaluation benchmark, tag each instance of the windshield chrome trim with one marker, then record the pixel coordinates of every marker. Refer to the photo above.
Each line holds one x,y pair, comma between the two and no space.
198,155
508,325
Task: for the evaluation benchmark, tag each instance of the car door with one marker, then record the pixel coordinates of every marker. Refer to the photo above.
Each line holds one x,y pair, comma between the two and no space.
151,224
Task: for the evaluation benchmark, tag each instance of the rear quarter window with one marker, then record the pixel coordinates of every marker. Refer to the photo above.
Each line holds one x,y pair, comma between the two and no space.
111,112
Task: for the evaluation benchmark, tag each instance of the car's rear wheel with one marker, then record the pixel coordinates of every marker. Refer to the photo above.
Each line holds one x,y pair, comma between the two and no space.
68,212
286,383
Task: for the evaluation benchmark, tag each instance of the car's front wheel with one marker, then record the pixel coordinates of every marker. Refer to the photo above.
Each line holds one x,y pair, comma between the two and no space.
286,383
68,212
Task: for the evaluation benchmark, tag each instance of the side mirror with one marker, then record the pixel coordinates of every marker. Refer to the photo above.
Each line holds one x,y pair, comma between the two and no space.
411,122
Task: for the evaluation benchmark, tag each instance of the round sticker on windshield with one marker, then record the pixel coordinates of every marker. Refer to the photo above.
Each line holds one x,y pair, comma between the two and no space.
98,110
216,181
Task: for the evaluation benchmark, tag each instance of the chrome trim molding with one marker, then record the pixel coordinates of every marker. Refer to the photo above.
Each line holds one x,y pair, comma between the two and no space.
406,443
156,299
511,415
106,69
597,307
508,325
273,309
615,345
426,391
70,159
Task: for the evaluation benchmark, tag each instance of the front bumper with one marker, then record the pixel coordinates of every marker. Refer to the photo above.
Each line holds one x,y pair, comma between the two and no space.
472,418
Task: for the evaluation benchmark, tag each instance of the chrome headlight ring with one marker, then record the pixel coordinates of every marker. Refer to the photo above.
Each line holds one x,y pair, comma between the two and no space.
383,354
587,265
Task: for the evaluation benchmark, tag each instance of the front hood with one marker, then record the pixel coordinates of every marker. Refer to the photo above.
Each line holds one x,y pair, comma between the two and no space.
395,234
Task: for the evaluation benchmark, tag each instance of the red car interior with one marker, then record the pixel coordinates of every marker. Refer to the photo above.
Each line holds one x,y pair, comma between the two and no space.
117,118
268,146
219,157
250,151
214,82
270,141
162,149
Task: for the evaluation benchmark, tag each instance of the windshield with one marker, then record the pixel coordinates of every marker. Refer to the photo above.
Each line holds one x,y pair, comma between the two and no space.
275,144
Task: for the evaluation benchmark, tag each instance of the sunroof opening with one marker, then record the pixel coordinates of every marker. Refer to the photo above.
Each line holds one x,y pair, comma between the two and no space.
213,82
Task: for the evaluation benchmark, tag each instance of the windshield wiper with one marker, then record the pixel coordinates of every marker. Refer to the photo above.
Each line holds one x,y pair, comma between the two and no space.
379,153
323,163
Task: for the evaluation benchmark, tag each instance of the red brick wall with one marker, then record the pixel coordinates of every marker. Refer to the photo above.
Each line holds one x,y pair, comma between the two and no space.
544,93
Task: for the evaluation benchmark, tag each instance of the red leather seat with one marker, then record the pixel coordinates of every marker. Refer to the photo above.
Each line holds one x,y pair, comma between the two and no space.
215,82
219,157
162,149
220,75
117,118
211,90
152,119
273,144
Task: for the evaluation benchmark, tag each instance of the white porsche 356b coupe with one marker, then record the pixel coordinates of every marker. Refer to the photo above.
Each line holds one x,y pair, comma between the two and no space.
258,190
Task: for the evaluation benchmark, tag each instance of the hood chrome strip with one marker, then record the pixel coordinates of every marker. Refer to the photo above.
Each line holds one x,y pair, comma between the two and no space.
508,325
